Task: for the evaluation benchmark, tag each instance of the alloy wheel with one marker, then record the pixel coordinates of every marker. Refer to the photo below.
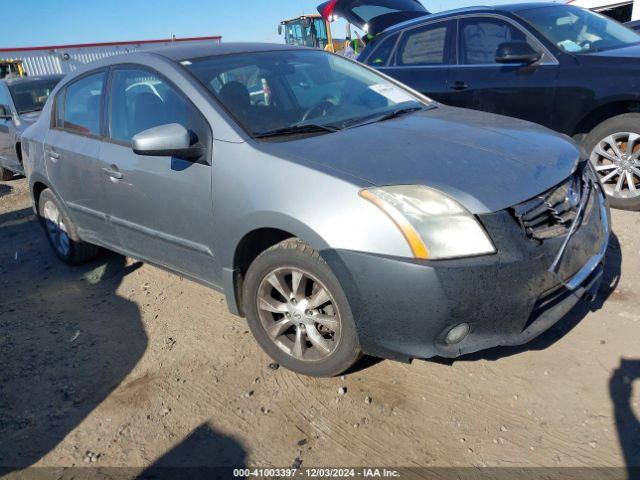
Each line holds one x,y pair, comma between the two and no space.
616,158
299,314
56,229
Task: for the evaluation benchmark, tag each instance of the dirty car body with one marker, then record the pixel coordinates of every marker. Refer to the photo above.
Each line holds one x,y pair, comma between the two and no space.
367,173
21,100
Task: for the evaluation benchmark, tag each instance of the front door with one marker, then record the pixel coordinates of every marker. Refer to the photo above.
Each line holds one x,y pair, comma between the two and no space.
161,207
515,90
72,156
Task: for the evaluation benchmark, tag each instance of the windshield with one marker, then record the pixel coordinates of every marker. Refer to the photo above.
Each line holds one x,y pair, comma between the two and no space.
270,91
576,30
31,96
311,33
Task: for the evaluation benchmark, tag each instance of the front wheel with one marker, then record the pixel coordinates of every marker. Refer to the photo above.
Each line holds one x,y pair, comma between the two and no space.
614,150
298,311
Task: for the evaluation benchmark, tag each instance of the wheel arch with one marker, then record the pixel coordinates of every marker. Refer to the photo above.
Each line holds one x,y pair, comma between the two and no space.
604,111
254,239
19,151
37,185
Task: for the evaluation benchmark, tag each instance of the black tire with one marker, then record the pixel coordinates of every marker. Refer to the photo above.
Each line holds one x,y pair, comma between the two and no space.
6,175
299,255
78,251
630,123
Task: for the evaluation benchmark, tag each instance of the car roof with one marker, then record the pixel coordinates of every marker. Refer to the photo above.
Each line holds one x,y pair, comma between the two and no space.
28,79
509,7
184,52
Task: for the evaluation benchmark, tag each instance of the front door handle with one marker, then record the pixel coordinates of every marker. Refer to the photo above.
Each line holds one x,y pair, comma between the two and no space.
460,85
113,172
53,156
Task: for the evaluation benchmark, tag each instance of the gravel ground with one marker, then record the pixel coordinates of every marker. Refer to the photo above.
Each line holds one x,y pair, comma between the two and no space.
118,363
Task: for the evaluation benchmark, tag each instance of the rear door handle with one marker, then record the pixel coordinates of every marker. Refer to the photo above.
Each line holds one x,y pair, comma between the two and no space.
460,85
113,172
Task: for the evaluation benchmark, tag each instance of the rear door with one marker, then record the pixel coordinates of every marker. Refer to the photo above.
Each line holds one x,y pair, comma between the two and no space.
516,90
421,59
373,16
161,206
72,155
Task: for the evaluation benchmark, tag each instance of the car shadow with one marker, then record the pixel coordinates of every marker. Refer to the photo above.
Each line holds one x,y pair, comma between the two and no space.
627,420
610,281
204,454
5,189
67,340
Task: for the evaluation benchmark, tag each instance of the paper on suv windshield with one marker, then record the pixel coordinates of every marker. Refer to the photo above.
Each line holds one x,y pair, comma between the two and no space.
392,93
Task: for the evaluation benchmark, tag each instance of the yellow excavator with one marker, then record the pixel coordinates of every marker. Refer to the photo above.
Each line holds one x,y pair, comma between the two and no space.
12,68
310,31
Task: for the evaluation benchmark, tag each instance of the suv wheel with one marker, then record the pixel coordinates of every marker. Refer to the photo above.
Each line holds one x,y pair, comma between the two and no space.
5,175
614,148
60,232
298,311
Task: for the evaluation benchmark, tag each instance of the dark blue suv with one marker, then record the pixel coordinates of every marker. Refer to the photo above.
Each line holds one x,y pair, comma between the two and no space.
564,67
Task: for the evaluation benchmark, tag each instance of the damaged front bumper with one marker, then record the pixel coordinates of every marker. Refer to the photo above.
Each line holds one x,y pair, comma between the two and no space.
404,308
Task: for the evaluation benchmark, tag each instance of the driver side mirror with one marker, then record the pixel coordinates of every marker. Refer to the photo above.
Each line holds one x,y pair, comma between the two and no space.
172,140
517,52
5,112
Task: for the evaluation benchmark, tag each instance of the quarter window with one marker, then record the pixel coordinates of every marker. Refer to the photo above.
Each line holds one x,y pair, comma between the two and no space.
481,37
83,105
423,46
380,56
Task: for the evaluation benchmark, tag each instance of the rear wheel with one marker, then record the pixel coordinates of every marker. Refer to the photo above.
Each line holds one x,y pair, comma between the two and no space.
60,232
298,311
614,148
5,175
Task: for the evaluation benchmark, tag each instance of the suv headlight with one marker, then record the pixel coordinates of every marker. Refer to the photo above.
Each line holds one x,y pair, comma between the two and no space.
435,225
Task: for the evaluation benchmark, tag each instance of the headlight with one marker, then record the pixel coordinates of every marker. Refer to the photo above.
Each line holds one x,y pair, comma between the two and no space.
435,225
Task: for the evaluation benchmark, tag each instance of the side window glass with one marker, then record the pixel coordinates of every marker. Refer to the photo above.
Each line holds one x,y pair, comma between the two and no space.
82,106
481,37
380,56
141,100
423,46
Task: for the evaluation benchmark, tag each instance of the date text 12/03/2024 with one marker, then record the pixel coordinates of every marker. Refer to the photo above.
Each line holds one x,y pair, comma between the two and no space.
316,473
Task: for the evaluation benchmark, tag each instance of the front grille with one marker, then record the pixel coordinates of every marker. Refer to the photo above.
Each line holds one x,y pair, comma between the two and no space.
551,214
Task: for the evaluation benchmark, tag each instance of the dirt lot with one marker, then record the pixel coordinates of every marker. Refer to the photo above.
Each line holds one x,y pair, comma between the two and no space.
122,364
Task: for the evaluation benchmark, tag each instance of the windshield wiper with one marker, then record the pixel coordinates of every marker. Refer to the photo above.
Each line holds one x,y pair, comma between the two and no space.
390,115
31,110
297,129
398,113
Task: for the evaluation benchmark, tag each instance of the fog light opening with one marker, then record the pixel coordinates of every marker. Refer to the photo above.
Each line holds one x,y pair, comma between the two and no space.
457,334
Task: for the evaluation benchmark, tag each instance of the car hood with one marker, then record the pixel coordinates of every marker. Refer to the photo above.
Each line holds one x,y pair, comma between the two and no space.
486,162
